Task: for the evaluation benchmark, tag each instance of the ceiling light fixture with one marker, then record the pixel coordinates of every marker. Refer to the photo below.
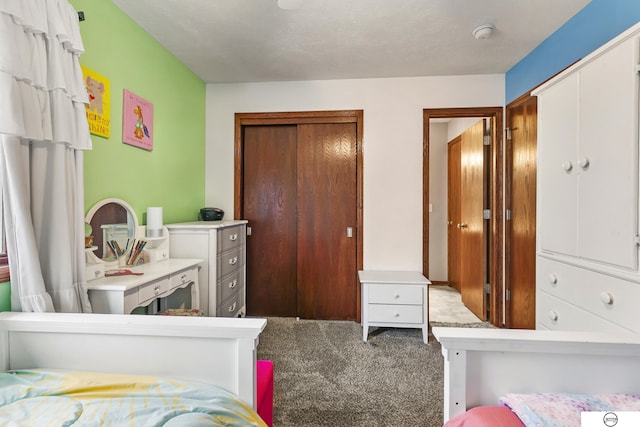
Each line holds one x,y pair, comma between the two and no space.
483,31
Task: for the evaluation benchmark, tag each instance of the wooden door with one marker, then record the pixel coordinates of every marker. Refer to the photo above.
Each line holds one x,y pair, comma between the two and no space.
453,214
473,242
327,281
270,205
521,167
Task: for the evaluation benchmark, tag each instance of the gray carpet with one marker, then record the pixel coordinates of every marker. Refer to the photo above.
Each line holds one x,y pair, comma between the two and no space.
325,375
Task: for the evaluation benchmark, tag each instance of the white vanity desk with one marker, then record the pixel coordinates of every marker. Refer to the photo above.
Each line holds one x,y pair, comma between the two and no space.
122,294
164,283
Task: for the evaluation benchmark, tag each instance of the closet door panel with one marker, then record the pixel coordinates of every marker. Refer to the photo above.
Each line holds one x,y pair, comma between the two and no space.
270,207
557,151
608,141
326,170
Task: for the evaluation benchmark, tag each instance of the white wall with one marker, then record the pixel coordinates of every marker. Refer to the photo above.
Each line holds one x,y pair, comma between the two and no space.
392,145
438,185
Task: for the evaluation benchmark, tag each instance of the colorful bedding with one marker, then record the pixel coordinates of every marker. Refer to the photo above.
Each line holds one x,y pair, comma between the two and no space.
66,398
563,409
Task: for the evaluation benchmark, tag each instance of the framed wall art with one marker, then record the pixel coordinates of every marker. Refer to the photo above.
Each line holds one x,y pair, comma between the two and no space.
137,121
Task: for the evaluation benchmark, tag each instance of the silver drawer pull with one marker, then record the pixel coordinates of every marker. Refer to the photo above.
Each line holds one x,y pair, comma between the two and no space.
233,260
183,278
233,284
232,308
233,237
156,290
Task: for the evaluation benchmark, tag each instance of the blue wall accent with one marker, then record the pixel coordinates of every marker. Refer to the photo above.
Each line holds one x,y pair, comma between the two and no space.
597,23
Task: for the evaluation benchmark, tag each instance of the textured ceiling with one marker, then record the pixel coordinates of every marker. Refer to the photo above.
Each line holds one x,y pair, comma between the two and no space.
224,41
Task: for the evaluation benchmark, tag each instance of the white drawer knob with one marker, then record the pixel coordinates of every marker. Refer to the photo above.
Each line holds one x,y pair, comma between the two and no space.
583,163
396,296
553,316
567,166
553,279
606,298
396,314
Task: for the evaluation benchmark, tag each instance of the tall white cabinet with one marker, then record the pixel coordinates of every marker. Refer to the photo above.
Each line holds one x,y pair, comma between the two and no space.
588,275
222,275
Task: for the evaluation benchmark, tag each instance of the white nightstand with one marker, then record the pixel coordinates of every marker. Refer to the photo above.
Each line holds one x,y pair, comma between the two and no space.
396,299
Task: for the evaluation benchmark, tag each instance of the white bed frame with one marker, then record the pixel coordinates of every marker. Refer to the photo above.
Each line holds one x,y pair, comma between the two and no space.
214,350
481,365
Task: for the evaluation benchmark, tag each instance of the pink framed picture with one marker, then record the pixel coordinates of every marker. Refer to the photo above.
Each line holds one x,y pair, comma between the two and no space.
137,121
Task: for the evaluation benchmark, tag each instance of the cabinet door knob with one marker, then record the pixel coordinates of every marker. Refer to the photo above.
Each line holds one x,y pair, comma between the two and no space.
233,284
606,298
583,163
553,316
233,237
553,279
567,166
233,260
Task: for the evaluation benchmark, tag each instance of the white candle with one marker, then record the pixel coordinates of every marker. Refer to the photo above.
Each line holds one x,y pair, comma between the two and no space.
154,222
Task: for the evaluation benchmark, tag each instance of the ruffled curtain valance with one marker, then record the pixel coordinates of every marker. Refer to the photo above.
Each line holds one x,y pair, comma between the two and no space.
43,92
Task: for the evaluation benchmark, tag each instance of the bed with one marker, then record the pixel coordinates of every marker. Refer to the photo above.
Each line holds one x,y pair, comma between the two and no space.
217,353
483,366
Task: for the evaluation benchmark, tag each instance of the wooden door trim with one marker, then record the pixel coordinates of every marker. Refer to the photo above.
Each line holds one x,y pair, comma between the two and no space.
496,232
508,197
294,118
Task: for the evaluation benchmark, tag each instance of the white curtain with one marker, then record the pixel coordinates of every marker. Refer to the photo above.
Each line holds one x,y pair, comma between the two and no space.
43,130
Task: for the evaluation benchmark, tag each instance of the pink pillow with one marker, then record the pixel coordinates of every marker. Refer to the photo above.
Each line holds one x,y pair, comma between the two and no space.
486,416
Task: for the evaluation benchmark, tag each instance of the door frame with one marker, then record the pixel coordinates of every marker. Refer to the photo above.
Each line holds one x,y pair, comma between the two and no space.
243,120
496,195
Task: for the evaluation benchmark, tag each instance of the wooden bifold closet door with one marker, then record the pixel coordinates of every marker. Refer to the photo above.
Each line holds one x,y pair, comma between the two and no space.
299,196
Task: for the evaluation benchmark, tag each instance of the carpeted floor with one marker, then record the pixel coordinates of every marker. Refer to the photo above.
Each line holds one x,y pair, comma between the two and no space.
325,375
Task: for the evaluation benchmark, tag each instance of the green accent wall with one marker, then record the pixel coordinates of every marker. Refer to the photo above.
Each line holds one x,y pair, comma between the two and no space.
172,175
5,296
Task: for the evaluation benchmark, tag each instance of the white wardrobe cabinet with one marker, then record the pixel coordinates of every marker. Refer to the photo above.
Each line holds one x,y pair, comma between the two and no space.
222,276
588,158
588,275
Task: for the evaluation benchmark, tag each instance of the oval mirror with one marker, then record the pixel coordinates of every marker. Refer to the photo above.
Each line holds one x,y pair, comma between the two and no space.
113,224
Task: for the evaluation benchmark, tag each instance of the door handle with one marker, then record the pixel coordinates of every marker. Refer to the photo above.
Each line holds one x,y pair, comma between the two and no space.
462,225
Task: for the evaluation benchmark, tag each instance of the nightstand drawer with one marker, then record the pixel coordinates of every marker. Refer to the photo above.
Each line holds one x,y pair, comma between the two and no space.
395,294
389,313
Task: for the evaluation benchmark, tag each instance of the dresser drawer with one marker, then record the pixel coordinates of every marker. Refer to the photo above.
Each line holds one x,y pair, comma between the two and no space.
152,290
555,314
608,297
230,307
231,284
230,237
230,261
389,313
184,277
395,294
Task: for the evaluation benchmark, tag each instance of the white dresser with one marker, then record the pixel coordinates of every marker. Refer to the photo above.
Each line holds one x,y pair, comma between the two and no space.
397,299
587,268
222,276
